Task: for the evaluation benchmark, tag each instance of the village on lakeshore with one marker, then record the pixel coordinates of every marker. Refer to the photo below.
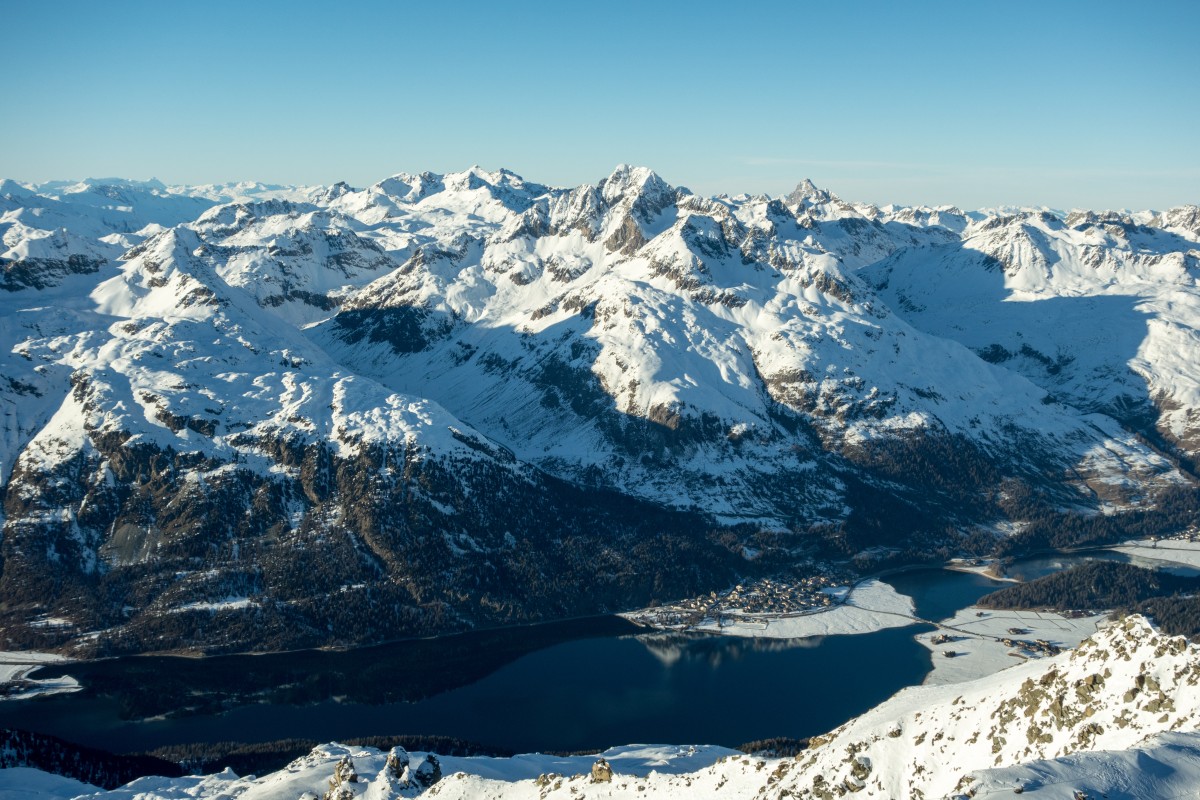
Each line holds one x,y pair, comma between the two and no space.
747,603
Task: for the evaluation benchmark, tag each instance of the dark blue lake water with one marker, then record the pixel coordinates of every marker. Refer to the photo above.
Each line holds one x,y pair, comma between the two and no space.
584,693
570,685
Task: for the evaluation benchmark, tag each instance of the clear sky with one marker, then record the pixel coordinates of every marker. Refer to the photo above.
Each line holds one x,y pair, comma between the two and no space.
975,103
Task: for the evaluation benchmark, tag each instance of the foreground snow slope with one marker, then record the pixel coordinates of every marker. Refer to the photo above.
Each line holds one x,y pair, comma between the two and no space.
1164,767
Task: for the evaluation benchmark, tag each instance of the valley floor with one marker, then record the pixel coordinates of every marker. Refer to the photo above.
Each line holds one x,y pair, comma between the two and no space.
976,638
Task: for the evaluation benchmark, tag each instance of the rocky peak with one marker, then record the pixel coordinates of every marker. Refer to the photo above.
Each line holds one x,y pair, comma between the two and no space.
579,209
1182,217
341,784
236,216
1081,219
167,275
638,189
339,189
505,186
470,179
709,237
94,184
410,188
178,241
807,194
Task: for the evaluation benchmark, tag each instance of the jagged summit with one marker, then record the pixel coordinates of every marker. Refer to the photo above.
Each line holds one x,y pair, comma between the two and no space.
339,189
626,178
410,188
806,193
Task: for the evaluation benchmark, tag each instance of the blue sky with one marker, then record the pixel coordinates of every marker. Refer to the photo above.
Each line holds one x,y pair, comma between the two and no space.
974,103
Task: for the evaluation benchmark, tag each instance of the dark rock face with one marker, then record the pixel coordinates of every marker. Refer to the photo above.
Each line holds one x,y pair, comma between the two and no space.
405,329
424,546
41,273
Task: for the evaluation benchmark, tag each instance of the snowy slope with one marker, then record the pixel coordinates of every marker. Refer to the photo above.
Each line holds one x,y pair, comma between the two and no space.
182,387
1115,689
1123,299
1164,767
56,242
194,432
685,350
177,342
26,783
295,258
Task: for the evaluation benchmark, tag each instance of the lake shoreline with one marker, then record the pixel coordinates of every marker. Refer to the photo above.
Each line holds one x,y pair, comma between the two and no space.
585,683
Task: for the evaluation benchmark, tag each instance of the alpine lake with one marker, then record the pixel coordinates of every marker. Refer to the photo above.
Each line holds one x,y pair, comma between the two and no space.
582,684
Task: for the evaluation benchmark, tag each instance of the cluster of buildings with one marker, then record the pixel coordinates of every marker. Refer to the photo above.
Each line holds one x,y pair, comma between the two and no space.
1189,534
1039,647
764,597
1031,647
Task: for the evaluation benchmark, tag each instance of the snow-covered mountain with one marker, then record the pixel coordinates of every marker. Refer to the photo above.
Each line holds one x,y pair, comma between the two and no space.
193,432
701,353
472,398
1117,717
1122,296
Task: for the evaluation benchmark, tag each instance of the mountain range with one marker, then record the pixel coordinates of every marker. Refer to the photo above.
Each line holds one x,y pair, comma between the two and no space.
251,417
